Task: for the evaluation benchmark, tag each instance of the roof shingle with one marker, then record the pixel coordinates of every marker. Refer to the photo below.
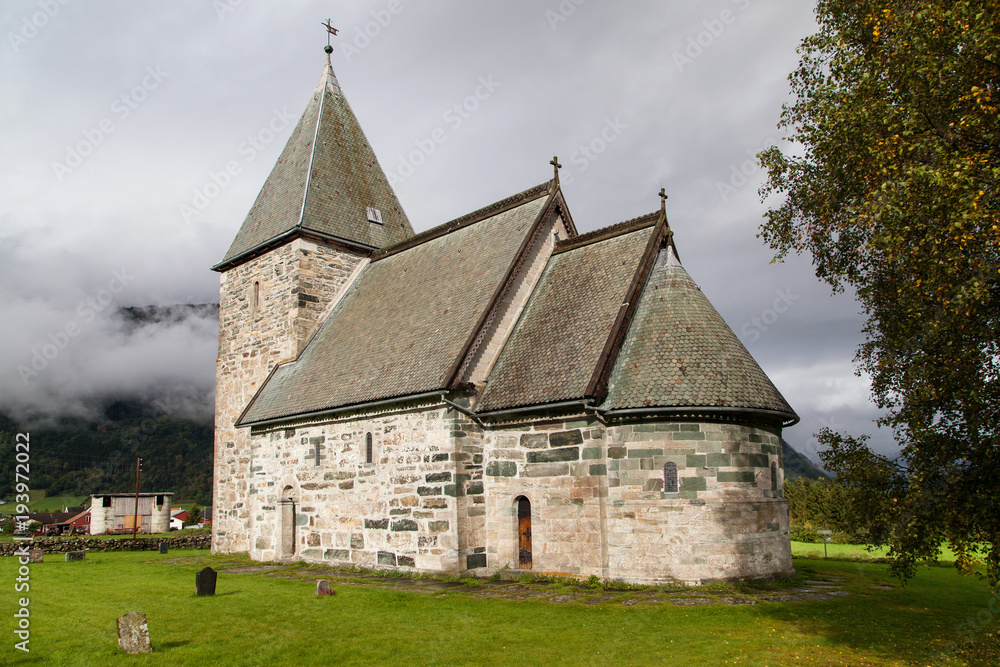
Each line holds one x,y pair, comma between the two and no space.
323,181
403,326
680,352
553,352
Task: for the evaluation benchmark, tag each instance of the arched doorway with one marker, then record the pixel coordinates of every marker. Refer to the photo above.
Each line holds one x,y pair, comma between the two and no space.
523,533
287,536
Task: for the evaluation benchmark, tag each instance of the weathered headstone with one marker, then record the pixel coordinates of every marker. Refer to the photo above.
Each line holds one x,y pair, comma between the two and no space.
133,633
323,588
36,556
163,547
75,555
205,580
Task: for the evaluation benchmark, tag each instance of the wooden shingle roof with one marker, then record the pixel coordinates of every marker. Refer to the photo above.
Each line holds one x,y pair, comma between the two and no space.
679,352
407,321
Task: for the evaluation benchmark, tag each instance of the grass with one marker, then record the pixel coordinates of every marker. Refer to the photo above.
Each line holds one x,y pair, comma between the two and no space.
38,502
855,552
259,620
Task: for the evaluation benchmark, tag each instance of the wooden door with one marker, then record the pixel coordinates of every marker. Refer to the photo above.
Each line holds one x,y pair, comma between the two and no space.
524,534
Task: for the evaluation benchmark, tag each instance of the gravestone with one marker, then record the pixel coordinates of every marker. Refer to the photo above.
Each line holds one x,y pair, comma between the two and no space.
204,581
133,633
323,588
163,547
36,556
75,555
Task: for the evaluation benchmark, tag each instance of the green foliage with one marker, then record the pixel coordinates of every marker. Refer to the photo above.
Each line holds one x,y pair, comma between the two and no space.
79,457
896,195
797,465
822,504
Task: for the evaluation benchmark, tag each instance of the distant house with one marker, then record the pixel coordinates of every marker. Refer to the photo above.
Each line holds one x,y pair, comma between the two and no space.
177,518
116,513
78,524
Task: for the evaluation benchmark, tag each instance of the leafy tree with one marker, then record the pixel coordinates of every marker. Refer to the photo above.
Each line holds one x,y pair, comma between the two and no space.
895,194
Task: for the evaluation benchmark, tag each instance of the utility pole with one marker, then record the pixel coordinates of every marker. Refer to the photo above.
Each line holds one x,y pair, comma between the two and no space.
135,516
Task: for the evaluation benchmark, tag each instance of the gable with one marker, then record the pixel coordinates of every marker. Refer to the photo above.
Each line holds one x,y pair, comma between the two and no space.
557,345
410,316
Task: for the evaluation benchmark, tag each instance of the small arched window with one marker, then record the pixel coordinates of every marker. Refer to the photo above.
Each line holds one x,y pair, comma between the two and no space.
670,477
369,454
318,453
774,477
255,297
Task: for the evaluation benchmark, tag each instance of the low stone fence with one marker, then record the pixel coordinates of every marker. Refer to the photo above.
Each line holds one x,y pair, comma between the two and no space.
61,545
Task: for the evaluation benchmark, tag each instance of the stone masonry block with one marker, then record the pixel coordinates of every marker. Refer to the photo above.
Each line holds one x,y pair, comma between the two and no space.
554,455
739,476
534,440
644,453
697,460
565,439
590,453
693,484
501,469
718,460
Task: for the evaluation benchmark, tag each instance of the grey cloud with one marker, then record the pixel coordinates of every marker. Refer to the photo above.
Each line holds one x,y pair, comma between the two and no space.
687,129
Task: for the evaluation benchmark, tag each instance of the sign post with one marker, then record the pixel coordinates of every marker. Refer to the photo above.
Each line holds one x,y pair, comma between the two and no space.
826,538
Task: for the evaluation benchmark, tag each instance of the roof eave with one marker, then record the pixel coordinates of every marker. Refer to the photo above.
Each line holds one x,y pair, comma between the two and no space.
290,235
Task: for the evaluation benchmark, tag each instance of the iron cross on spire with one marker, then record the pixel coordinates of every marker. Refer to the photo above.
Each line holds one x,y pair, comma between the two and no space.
556,166
330,32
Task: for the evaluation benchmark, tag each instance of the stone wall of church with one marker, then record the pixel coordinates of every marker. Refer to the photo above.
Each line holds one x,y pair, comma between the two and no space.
296,283
415,506
442,494
598,504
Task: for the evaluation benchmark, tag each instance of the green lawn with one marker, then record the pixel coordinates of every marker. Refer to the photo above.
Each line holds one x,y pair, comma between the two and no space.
854,551
260,620
40,503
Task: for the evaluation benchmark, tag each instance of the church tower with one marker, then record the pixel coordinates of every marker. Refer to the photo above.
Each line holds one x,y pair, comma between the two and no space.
325,207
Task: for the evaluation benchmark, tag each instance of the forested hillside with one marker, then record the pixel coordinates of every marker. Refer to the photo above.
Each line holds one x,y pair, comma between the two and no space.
78,457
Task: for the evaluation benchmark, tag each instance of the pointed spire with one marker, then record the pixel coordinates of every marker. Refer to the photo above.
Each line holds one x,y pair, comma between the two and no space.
327,182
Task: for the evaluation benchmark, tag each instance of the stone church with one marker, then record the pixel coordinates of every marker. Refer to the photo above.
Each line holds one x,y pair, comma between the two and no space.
497,392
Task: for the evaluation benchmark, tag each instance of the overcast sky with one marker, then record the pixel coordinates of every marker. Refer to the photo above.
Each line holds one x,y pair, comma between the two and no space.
118,119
